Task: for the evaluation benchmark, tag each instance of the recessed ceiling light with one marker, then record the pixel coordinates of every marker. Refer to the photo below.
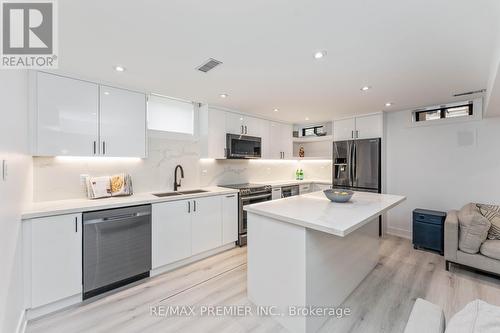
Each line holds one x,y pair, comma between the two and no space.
365,88
223,95
307,118
388,104
319,54
119,68
106,93
276,110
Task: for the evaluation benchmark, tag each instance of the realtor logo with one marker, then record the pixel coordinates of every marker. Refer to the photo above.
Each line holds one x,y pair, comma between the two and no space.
28,34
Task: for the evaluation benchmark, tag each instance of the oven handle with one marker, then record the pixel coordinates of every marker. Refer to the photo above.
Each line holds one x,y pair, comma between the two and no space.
268,195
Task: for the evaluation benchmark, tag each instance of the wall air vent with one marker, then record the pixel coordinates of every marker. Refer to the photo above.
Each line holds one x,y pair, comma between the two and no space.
470,93
209,65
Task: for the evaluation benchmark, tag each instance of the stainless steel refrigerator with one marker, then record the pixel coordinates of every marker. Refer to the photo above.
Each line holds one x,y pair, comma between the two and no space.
356,166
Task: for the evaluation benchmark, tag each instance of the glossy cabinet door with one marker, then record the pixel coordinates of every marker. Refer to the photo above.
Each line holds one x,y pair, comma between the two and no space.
321,187
230,218
212,133
344,129
56,258
276,193
286,142
171,232
280,137
369,127
305,188
235,123
122,123
206,224
66,116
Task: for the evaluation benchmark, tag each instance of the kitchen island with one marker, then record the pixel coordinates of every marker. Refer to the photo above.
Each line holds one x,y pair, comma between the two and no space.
306,252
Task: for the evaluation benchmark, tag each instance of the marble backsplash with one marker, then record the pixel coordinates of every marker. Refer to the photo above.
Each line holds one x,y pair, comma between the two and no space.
56,178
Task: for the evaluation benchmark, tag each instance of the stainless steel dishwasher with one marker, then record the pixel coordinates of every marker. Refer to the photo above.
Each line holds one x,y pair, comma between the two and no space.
116,248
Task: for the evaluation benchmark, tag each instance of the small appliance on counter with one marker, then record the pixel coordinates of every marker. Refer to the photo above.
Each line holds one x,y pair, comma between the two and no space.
249,194
109,186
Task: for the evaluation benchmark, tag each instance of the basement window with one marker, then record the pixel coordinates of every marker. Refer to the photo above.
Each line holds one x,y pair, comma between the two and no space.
464,110
171,115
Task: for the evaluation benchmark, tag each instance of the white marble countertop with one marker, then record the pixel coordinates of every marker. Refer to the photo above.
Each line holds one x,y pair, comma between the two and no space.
59,207
279,183
315,211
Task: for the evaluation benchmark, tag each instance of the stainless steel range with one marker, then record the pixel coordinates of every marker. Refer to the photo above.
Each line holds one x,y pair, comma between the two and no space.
249,194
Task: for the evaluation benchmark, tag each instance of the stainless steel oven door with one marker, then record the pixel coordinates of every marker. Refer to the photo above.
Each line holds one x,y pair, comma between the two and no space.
248,200
243,146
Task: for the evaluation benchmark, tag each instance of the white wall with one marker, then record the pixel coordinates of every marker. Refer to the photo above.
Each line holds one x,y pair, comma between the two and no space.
59,178
14,192
440,167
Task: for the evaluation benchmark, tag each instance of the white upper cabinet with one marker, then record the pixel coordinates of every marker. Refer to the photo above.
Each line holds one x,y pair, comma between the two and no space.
361,127
122,123
79,118
212,132
66,116
235,123
280,141
370,126
344,129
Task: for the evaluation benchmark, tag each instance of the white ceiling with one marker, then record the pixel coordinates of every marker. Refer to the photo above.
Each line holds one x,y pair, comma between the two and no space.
413,53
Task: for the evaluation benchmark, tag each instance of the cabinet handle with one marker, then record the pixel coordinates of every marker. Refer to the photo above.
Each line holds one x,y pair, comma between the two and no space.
352,134
194,202
230,196
189,206
76,224
104,147
246,130
95,147
357,134
241,129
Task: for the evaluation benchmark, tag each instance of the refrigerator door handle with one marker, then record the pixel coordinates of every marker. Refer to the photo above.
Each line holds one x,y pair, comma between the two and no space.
351,164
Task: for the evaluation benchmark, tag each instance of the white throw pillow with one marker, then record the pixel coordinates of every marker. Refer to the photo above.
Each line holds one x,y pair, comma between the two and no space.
476,317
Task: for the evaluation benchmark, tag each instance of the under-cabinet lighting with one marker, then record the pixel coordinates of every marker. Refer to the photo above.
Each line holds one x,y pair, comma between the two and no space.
119,68
97,159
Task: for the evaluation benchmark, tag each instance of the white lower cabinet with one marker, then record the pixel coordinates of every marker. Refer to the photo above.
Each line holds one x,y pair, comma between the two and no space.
305,188
206,224
230,218
321,187
171,232
188,227
276,193
54,255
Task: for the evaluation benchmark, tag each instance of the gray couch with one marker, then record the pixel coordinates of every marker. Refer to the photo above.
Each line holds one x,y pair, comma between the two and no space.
488,257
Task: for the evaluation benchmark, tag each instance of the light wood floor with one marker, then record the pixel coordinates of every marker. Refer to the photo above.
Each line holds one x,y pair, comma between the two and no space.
382,303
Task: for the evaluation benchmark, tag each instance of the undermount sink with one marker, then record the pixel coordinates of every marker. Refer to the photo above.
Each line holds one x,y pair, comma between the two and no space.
192,192
170,194
166,194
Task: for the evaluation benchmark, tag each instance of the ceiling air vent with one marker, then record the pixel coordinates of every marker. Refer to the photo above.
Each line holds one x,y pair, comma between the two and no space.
209,65
470,93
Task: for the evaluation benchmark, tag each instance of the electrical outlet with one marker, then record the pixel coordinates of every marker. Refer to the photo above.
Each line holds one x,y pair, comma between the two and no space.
82,179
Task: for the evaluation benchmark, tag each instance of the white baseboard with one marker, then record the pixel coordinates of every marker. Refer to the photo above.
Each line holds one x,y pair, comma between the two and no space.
399,232
53,307
21,323
184,262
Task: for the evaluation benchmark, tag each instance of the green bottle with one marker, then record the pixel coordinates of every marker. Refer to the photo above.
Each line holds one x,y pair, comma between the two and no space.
297,175
301,174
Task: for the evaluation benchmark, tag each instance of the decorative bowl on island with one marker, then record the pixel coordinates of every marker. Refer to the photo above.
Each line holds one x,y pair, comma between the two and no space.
338,195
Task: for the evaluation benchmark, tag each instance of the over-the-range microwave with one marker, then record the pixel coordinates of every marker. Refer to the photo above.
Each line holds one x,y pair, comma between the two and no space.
243,146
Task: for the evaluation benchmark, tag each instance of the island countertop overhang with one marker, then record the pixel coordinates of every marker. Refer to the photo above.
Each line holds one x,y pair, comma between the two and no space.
314,211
